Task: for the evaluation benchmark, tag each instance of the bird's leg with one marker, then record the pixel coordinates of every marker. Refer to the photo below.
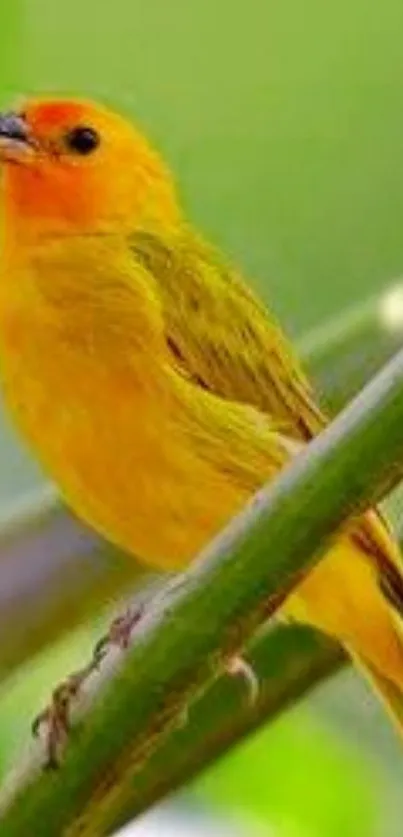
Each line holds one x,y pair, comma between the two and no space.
53,723
237,666
55,719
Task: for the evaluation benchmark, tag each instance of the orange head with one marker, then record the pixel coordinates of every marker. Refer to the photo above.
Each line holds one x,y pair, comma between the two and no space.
74,166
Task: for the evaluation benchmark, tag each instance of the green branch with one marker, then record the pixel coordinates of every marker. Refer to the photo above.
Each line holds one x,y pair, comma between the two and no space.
213,611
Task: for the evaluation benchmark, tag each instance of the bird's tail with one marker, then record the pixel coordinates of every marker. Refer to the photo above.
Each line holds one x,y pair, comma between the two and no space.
357,597
384,548
390,695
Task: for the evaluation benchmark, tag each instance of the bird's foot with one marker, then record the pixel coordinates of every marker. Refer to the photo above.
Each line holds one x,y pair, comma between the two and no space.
53,723
121,630
237,666
119,633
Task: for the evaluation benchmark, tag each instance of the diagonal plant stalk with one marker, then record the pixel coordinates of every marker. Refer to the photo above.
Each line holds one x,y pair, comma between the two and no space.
214,610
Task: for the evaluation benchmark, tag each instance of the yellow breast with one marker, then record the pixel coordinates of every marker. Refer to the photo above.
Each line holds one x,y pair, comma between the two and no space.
94,401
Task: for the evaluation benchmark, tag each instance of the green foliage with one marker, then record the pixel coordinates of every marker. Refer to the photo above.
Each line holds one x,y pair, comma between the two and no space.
297,777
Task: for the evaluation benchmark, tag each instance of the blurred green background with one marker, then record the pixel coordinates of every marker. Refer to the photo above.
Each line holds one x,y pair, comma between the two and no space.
284,123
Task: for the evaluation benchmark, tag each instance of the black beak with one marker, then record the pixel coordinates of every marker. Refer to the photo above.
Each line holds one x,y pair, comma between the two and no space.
13,127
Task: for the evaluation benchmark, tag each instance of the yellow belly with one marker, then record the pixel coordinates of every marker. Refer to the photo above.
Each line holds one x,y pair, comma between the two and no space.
122,464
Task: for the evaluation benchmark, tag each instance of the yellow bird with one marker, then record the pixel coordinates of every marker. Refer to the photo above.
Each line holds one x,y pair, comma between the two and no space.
154,387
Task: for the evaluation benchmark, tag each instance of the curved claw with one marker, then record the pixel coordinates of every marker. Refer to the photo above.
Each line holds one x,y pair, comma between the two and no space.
238,667
37,722
100,649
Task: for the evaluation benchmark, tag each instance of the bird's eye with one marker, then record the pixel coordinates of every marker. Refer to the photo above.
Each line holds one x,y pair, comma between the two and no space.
82,140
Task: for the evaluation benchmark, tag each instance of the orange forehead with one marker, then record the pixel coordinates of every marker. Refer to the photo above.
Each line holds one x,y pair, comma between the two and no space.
48,115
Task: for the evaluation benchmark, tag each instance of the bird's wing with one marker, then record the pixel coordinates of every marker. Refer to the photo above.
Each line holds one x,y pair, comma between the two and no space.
222,336
226,341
